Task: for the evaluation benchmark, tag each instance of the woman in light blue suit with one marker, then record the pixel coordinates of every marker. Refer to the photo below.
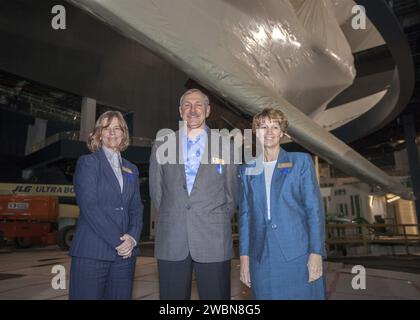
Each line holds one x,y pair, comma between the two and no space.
281,221
105,245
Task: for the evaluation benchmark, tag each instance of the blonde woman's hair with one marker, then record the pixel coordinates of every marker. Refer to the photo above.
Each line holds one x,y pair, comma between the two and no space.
274,115
94,140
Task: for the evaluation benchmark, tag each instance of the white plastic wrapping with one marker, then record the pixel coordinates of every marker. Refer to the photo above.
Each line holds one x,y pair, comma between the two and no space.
295,48
298,50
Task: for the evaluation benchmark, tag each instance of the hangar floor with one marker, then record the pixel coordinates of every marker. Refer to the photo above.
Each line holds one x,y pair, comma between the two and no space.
27,274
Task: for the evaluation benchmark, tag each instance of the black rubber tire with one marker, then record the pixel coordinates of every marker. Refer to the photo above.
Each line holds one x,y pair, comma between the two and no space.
23,243
2,240
65,237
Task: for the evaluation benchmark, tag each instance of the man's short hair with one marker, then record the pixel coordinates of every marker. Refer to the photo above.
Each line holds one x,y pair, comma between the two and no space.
205,97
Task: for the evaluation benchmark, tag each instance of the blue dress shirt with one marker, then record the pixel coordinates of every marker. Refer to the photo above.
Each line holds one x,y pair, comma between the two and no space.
193,151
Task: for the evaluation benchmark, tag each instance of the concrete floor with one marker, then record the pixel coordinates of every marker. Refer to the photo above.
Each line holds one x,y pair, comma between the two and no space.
26,274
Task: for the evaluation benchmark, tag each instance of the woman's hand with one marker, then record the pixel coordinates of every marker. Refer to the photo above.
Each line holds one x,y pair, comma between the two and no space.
245,276
314,267
126,247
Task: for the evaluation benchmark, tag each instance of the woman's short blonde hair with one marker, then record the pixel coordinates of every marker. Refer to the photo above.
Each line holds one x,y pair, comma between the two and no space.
274,115
94,141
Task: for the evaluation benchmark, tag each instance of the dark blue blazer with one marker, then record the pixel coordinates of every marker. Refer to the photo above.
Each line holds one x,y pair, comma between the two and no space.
296,209
105,213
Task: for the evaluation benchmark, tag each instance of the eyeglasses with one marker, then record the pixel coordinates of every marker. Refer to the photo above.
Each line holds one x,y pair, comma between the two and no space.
115,130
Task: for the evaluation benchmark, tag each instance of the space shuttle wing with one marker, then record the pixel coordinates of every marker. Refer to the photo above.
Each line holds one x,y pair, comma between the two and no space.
291,55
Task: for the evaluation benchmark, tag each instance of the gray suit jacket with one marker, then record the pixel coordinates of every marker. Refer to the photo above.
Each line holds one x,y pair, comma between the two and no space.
199,223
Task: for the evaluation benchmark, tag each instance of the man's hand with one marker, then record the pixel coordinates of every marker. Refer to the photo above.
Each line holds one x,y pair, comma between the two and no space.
125,249
245,276
314,267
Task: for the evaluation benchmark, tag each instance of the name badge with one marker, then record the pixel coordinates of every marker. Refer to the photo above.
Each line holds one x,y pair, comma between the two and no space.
215,160
284,165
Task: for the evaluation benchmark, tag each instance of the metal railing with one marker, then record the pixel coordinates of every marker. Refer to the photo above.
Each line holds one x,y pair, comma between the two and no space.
68,135
366,234
75,135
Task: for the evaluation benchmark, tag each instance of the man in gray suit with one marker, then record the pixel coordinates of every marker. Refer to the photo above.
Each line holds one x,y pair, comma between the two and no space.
195,197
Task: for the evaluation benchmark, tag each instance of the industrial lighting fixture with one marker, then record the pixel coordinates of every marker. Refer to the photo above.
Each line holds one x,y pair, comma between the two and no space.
57,95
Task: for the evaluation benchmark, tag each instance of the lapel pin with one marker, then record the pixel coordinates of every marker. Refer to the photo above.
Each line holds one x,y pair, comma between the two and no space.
128,170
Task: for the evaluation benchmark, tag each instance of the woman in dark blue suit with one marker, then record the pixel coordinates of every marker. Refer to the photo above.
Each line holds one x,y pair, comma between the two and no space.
281,221
105,244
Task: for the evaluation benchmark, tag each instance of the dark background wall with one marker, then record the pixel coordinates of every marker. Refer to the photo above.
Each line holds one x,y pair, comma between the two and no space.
89,59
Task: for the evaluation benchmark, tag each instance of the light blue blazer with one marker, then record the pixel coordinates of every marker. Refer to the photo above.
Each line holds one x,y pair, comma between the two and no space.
297,214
